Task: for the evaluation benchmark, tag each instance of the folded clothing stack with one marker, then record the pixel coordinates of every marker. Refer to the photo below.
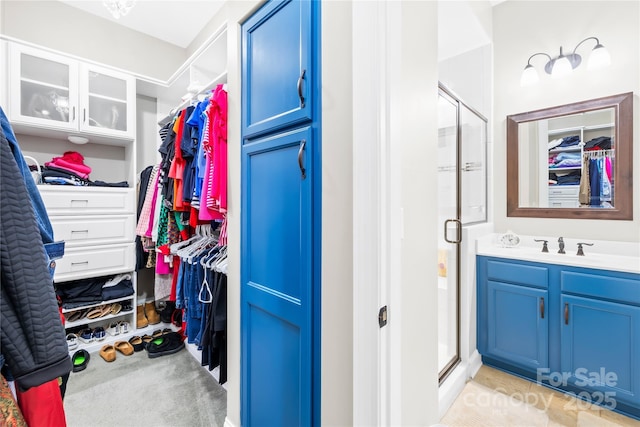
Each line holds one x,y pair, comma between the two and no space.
78,293
71,161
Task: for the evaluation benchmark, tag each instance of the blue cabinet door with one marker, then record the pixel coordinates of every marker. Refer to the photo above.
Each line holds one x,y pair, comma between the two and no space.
600,349
277,280
518,325
277,72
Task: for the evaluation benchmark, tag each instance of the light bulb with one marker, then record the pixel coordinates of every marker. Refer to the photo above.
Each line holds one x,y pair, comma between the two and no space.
529,76
599,58
561,67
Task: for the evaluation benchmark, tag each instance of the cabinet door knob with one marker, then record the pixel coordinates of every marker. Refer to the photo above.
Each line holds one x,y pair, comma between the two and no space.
566,313
542,308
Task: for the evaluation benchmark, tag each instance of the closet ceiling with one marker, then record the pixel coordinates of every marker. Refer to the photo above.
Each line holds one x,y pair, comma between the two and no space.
174,21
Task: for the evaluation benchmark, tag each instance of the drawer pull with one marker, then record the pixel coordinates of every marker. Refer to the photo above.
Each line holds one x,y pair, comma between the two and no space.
542,308
566,313
77,232
84,264
79,203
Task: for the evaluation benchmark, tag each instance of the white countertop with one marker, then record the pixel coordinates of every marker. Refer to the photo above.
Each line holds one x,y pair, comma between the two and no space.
604,254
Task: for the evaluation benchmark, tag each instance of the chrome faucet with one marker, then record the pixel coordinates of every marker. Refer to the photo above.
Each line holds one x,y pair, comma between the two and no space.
561,245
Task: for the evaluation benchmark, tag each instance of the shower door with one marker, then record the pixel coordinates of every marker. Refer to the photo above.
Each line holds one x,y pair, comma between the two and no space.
461,157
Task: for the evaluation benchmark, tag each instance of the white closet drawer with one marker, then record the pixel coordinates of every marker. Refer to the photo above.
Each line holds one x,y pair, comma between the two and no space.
62,200
94,230
563,203
564,191
92,261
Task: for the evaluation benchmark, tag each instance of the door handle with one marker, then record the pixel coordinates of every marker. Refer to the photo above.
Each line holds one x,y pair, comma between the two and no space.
566,313
300,88
73,117
303,171
542,308
458,231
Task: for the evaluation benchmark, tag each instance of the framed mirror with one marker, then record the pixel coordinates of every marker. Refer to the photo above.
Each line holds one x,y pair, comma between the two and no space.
572,161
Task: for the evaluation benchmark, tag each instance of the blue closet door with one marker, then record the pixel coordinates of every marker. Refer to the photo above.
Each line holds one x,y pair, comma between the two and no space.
277,70
277,278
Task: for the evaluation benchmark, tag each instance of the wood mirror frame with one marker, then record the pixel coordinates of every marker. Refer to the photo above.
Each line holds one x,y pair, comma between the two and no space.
623,168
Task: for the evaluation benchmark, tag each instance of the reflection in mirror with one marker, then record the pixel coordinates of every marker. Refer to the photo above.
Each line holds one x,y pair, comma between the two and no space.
572,161
567,161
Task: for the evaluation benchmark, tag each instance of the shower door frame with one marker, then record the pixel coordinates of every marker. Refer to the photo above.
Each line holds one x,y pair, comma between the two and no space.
442,89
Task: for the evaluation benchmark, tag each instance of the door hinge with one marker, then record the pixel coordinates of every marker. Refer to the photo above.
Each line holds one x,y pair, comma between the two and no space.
382,316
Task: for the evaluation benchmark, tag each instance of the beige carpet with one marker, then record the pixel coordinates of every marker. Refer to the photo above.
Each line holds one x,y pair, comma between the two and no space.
132,391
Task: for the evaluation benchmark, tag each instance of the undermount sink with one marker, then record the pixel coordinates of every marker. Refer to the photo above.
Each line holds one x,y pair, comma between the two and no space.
607,255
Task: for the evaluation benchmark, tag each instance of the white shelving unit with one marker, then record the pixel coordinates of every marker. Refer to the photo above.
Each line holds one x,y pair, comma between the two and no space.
56,96
586,126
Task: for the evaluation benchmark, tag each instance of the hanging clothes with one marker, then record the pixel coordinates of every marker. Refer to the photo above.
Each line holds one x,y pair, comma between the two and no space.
594,180
32,337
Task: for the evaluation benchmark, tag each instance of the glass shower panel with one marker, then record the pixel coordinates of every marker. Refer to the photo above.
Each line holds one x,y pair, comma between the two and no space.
473,143
448,233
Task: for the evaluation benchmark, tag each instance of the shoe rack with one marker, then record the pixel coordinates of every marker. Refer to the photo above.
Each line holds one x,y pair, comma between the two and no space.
114,318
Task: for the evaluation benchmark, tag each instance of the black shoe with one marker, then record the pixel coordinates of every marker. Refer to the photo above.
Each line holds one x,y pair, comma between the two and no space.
167,311
168,343
80,360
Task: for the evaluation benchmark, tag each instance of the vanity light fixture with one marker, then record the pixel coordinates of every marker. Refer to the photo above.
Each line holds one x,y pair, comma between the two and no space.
564,64
119,8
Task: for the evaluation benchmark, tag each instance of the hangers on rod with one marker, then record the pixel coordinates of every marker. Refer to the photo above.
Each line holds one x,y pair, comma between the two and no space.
596,154
205,90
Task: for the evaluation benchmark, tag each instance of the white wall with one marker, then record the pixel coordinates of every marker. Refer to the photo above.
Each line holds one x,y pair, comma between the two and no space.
521,28
147,137
413,82
337,229
67,29
469,76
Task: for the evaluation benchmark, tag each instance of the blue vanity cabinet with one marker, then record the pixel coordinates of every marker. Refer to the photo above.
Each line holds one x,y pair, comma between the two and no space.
517,324
600,336
571,328
513,320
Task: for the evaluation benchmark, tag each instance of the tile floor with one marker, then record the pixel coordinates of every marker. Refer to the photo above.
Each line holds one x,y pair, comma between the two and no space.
494,398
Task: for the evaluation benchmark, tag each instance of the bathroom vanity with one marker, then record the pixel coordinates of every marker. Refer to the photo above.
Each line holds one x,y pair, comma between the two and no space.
569,322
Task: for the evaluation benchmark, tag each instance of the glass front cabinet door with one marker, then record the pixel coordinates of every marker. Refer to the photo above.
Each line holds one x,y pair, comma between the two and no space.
58,93
41,89
106,98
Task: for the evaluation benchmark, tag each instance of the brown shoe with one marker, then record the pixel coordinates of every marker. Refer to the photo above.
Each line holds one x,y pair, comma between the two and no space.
152,315
108,353
124,347
141,320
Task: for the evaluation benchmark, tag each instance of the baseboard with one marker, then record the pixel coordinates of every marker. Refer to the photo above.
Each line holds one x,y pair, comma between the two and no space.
475,363
454,384
451,388
228,423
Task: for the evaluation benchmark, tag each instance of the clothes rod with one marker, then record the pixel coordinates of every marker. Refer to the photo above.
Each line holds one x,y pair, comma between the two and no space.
222,78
